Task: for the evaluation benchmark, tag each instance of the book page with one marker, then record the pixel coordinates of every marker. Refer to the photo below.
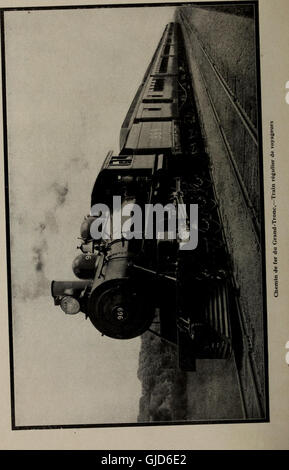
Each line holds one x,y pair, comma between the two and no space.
123,339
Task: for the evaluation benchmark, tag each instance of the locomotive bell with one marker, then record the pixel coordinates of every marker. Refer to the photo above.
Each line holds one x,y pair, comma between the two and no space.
84,265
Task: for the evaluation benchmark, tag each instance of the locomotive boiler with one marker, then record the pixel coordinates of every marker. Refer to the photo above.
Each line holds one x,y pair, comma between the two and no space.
128,285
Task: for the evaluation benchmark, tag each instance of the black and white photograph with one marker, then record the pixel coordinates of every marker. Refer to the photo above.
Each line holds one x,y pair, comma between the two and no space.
135,222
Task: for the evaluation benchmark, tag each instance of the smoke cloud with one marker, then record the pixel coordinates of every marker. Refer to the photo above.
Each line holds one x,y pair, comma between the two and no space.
60,191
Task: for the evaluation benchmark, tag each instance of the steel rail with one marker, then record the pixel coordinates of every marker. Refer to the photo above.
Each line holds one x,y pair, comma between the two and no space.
247,200
232,96
246,338
252,375
254,219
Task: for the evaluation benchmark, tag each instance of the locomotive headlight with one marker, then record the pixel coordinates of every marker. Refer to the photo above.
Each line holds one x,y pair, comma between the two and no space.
70,305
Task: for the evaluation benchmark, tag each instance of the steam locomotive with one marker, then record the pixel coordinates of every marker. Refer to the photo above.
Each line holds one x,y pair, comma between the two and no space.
129,286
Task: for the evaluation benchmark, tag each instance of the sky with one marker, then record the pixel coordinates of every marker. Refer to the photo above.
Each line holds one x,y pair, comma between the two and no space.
71,76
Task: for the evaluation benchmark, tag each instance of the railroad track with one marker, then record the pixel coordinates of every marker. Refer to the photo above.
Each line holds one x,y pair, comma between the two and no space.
248,383
250,126
250,390
245,121
254,219
247,376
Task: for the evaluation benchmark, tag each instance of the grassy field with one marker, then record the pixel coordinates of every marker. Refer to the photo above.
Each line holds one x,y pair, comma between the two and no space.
163,384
